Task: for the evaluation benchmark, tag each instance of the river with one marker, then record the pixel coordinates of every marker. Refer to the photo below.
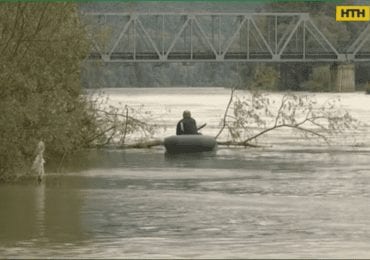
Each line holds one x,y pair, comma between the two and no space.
291,198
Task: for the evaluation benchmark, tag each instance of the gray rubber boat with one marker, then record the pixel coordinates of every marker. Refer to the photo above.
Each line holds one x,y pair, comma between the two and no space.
189,143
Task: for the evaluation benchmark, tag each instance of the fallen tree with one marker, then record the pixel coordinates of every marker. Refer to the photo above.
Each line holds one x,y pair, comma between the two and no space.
116,124
255,114
246,119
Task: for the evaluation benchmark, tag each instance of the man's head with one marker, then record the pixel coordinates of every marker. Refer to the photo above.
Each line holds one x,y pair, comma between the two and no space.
186,114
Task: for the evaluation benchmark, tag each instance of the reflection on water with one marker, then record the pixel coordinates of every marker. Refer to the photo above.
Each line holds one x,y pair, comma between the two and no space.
40,213
292,199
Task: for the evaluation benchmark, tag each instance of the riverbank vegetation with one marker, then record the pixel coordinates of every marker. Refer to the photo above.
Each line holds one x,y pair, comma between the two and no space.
41,47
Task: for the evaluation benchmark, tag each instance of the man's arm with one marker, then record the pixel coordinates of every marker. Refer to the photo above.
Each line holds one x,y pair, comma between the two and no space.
178,129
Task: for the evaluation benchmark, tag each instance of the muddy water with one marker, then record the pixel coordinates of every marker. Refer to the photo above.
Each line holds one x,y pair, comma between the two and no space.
291,198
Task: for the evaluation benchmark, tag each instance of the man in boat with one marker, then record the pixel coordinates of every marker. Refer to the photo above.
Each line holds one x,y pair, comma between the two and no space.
187,125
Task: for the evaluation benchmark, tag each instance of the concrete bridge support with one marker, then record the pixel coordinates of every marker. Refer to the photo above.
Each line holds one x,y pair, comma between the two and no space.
343,77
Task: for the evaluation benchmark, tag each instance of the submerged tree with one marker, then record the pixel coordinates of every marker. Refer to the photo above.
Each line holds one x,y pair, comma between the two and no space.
256,114
41,47
116,123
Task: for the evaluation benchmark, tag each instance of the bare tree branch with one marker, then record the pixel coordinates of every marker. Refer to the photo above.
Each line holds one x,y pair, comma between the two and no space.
226,112
295,112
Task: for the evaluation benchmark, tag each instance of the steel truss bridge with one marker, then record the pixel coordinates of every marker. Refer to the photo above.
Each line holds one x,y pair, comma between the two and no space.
215,37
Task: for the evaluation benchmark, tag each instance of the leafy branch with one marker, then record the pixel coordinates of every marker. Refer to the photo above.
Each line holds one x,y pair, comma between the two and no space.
256,114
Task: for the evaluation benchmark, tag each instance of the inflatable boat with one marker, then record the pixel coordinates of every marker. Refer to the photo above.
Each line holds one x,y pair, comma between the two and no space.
189,143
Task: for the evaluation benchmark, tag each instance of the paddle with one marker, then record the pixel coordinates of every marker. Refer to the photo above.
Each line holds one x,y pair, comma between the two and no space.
202,126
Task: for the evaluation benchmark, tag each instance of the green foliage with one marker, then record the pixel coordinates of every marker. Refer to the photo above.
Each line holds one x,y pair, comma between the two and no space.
41,47
264,77
320,80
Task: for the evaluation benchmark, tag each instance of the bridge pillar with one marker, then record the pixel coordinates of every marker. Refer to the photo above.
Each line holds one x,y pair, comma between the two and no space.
343,77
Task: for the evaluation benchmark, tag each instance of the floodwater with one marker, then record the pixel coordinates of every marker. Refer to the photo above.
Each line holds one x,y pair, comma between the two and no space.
291,198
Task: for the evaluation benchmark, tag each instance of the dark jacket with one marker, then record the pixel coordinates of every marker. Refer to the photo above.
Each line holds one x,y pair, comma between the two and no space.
187,126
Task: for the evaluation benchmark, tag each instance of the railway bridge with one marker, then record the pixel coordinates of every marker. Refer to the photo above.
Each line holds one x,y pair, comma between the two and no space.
221,37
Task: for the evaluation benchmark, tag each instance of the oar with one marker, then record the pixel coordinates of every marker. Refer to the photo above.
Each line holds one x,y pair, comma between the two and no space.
202,126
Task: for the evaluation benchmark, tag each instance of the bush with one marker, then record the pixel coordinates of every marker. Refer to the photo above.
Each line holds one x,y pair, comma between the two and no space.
320,80
264,78
41,49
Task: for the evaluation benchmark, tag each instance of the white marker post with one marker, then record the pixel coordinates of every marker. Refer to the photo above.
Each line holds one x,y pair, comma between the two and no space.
38,163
